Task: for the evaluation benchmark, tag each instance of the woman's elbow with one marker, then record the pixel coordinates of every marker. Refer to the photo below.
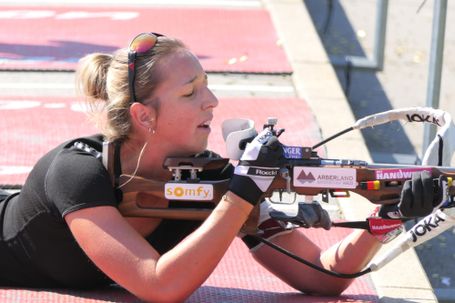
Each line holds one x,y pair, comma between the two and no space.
163,295
332,289
327,292
161,298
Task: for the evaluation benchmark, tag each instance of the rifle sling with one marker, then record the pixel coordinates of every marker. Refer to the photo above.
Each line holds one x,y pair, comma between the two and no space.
353,224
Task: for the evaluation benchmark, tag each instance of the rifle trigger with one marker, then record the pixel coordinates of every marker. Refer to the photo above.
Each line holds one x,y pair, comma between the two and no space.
177,173
285,175
325,196
339,194
279,132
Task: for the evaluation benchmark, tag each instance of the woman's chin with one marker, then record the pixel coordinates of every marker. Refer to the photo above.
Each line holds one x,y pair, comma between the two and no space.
189,151
199,149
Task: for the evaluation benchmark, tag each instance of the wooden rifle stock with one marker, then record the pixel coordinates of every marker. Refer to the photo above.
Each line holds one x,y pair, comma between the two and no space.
383,190
146,198
378,183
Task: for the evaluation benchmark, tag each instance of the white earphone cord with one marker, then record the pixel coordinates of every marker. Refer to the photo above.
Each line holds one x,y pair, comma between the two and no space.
136,169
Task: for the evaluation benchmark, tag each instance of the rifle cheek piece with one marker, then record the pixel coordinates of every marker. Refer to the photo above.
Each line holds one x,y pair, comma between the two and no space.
237,133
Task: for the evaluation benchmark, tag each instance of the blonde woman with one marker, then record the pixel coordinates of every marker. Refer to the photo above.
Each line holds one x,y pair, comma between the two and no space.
64,228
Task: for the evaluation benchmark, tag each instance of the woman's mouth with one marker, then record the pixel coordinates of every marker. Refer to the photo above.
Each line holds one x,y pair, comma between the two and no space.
205,124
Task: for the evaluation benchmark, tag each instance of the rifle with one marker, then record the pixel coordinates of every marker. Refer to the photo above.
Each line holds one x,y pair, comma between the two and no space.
304,172
310,176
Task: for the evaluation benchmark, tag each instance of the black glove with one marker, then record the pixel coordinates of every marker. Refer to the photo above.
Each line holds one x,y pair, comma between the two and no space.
419,197
308,215
257,167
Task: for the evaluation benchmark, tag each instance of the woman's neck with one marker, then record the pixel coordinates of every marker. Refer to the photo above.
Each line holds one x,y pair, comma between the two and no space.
146,157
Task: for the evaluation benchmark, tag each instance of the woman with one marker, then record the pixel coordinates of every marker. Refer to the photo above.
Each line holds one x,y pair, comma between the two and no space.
64,229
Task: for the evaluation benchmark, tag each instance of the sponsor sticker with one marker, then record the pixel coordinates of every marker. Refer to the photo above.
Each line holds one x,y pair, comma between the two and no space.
380,226
184,191
322,177
394,174
293,152
264,137
427,225
423,118
261,171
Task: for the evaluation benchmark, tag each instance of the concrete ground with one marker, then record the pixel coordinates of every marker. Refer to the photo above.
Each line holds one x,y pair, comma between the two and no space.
224,85
348,29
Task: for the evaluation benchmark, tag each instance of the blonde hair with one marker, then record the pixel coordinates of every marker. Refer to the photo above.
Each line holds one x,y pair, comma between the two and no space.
103,80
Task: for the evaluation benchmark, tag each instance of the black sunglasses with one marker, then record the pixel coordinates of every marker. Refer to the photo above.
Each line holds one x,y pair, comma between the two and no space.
140,44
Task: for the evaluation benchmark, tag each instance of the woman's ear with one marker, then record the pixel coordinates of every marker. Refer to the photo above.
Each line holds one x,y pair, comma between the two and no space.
143,117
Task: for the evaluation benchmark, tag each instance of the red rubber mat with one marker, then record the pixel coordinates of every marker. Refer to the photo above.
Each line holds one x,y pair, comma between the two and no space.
55,38
238,278
30,127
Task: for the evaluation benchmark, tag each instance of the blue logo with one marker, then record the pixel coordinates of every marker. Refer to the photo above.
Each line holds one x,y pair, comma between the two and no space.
293,152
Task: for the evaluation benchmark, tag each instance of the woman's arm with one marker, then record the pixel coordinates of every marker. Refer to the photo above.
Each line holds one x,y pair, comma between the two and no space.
418,198
128,259
348,256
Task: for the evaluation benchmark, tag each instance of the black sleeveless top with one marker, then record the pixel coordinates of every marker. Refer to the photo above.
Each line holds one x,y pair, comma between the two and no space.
37,248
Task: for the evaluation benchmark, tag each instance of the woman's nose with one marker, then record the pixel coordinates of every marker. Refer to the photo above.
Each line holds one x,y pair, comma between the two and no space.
210,100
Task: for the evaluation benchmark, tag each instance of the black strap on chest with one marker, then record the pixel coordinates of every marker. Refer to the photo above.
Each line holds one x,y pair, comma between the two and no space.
117,171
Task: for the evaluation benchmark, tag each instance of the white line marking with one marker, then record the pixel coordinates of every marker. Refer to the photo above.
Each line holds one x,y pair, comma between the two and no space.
226,3
14,170
219,87
184,3
54,105
18,104
253,88
35,85
79,107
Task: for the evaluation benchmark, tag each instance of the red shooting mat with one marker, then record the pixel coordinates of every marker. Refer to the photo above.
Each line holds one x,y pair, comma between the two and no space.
237,279
32,126
55,38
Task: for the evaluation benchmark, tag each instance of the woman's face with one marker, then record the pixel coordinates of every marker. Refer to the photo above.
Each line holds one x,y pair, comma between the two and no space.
186,105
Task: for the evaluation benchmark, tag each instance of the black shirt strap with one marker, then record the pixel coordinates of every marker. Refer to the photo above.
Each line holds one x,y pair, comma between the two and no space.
117,171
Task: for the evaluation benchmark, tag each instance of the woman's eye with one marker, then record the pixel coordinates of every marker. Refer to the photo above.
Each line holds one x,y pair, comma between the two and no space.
189,95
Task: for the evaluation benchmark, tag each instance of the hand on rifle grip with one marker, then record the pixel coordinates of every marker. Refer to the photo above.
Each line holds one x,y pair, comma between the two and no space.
420,195
308,215
258,167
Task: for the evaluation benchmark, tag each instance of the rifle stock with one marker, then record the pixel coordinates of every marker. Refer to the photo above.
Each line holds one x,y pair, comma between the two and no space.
378,183
146,198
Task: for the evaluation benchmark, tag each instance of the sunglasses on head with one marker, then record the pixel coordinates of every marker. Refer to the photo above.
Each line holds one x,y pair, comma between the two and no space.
140,44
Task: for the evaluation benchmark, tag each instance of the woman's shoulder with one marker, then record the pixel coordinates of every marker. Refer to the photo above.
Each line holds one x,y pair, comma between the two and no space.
75,158
89,143
76,177
92,144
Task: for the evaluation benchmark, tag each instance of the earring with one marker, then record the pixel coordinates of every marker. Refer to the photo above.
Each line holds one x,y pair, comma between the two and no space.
151,130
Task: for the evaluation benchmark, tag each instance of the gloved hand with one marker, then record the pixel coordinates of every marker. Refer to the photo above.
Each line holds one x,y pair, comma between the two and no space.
257,167
308,215
267,227
419,197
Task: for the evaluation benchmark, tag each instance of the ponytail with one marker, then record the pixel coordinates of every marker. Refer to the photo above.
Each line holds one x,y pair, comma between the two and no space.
103,80
92,74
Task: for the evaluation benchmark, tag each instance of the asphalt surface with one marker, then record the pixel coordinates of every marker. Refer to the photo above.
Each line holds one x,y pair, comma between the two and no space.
44,83
346,28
